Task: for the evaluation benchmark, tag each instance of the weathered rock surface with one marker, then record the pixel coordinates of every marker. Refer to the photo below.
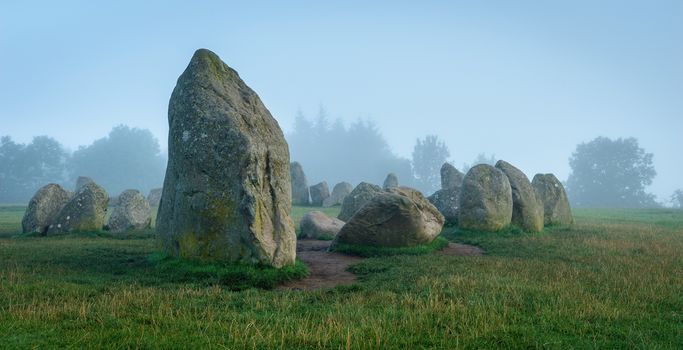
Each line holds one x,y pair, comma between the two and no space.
451,178
154,197
300,193
399,217
85,211
485,199
227,192
319,192
44,208
550,191
448,204
82,181
357,199
132,212
527,210
390,181
317,225
339,192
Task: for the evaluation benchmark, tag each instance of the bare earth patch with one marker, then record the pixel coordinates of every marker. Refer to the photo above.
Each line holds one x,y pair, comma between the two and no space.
328,269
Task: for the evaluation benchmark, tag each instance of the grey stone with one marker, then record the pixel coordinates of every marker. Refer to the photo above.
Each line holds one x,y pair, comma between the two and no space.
527,209
399,217
485,199
317,225
85,211
154,197
448,204
82,181
357,199
113,201
227,192
550,191
451,178
319,193
339,192
390,181
131,213
300,193
43,208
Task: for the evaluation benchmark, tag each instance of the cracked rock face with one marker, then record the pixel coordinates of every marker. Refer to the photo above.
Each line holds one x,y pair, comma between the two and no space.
227,191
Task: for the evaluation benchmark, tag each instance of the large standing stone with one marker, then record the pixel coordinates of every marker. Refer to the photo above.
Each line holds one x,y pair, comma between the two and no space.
44,208
485,199
390,181
227,192
317,225
400,217
555,202
451,178
527,210
357,199
82,181
154,197
319,193
300,193
448,204
339,192
132,212
84,212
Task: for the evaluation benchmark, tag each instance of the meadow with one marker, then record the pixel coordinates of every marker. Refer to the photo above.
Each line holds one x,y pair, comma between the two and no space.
612,280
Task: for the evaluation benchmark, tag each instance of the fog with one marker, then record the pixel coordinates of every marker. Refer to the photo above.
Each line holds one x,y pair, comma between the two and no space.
526,81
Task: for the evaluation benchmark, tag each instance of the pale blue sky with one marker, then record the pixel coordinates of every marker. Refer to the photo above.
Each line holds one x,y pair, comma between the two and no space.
526,80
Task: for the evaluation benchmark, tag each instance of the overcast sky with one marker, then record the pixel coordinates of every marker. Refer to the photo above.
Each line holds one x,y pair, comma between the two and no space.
524,80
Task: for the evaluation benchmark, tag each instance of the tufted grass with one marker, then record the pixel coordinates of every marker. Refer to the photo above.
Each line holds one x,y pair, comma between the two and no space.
613,280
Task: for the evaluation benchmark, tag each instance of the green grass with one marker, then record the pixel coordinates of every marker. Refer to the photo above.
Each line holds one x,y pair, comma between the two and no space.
370,251
613,280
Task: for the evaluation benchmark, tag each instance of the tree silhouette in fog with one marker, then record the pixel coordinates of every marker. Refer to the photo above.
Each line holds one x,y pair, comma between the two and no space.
428,157
126,158
611,173
677,199
333,152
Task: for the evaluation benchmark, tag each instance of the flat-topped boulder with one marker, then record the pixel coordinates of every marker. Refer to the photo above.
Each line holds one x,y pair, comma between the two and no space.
527,209
319,192
132,212
227,191
339,192
357,199
485,199
85,211
316,225
556,208
43,208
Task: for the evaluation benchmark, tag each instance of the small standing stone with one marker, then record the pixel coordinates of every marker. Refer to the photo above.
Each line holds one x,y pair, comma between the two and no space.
451,178
319,193
357,199
339,192
485,199
131,213
300,192
154,197
390,181
44,208
527,210
85,211
550,191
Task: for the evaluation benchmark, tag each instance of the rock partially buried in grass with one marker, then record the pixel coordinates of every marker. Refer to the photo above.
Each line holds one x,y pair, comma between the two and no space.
550,191
319,193
340,191
485,199
357,199
527,209
400,217
85,211
131,213
227,192
44,208
300,193
317,225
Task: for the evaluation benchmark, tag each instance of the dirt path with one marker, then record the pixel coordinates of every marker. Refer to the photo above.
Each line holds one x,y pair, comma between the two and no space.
328,270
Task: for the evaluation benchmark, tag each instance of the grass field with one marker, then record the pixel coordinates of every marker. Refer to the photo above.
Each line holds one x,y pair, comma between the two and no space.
613,280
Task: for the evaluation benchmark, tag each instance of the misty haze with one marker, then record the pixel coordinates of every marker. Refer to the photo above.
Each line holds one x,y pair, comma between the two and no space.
341,174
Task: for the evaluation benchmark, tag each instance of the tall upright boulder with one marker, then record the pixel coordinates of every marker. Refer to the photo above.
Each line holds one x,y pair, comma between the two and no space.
300,193
227,191
319,192
550,191
527,210
391,181
485,199
132,212
339,192
451,178
85,211
357,199
43,208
